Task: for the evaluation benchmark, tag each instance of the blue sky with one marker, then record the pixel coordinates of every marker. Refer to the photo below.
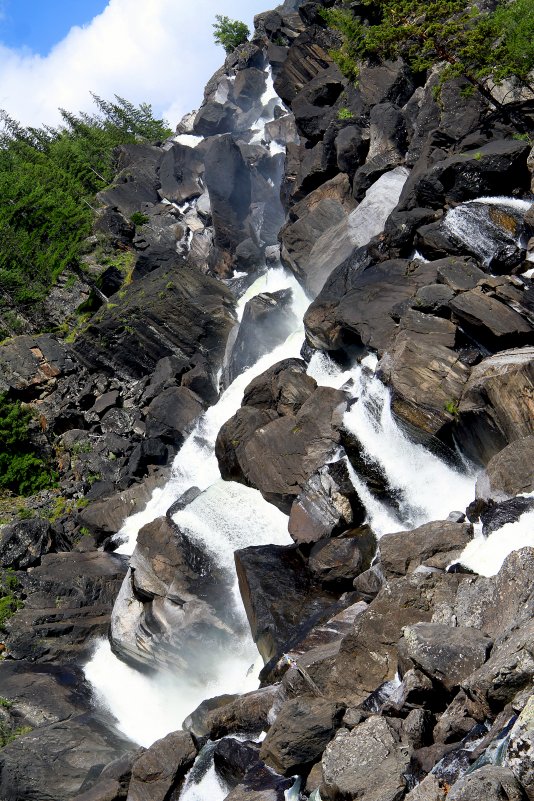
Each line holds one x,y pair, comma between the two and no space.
40,24
54,53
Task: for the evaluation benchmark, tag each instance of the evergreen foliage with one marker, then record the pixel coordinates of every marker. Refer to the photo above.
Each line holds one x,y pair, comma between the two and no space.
230,33
48,177
22,470
479,46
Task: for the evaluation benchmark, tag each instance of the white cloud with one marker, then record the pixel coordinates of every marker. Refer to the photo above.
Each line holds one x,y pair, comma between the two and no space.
158,51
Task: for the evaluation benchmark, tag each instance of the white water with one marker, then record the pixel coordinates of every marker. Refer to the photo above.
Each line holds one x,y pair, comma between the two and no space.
485,555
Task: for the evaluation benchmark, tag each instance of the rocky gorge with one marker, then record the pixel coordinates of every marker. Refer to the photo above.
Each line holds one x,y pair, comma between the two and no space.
298,422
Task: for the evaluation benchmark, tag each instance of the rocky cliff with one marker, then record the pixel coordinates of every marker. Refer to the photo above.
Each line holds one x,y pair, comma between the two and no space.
395,666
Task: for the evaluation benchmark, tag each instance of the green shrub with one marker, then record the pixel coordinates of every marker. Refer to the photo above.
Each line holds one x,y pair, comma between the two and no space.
22,470
344,113
138,218
230,33
9,603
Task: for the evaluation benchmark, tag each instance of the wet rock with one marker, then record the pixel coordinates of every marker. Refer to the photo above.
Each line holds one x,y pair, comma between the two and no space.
162,767
490,782
278,594
173,602
179,173
233,758
336,562
267,320
327,505
447,655
416,690
505,475
300,733
22,544
283,388
369,763
435,544
225,715
261,784
509,511
496,406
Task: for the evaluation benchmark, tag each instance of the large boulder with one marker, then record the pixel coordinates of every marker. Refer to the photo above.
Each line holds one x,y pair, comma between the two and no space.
505,475
435,545
369,762
22,544
446,654
244,714
279,594
160,770
496,406
277,452
491,782
302,730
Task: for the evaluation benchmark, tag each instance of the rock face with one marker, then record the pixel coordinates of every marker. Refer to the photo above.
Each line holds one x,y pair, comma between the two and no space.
435,545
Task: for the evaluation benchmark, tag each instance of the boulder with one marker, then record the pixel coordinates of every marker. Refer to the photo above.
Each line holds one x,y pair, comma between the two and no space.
327,505
160,770
278,594
261,784
447,655
22,544
278,453
233,758
491,322
172,413
302,730
282,388
459,273
313,105
520,751
505,475
369,763
172,604
336,562
69,598
267,321
180,174
435,545
490,782
247,714
31,364
496,405
509,511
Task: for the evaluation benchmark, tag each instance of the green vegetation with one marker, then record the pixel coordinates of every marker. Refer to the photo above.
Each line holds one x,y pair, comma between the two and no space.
229,33
481,47
344,113
22,470
48,177
452,407
9,603
7,735
138,218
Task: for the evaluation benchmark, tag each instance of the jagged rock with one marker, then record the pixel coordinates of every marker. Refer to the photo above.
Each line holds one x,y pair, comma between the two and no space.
460,274
447,655
69,597
162,767
300,733
369,583
313,105
498,515
246,714
173,601
358,301
307,57
415,691
336,562
137,182
520,752
435,544
496,406
112,783
490,782
491,322
261,784
417,728
233,758
179,173
278,453
390,82
427,379
327,505
505,475
22,544
457,720
267,320
278,594
28,364
167,313
368,763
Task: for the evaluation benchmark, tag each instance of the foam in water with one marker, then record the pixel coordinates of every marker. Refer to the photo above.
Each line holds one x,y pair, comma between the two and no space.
368,218
485,555
426,488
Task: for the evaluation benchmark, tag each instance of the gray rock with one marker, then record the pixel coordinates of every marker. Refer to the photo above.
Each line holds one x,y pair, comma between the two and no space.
367,763
520,752
505,475
337,561
447,655
161,769
22,544
435,544
490,782
302,730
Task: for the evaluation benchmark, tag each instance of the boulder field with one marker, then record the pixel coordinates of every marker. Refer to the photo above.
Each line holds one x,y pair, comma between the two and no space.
393,669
